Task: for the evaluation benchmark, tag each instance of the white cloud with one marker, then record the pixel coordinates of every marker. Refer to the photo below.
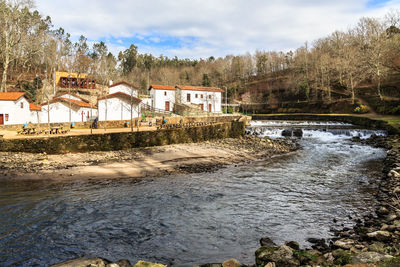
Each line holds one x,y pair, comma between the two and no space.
219,27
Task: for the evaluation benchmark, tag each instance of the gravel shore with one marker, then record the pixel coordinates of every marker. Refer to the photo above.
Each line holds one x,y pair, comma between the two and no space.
141,162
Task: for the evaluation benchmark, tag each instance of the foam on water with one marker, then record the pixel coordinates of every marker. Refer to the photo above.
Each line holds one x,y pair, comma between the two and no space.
311,130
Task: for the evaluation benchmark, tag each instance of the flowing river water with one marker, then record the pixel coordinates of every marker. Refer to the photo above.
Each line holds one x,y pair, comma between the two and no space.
200,218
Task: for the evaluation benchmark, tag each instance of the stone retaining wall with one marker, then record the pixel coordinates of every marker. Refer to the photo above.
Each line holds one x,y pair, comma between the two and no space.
362,121
121,123
125,140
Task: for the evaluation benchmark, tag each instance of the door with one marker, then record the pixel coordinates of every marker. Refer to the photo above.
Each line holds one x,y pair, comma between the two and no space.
1,119
188,98
202,107
209,108
166,105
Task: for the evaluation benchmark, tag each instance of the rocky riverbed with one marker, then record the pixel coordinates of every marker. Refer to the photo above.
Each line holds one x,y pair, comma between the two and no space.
373,240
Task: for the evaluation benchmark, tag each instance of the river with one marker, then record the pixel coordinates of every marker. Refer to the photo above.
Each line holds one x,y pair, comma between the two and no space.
183,220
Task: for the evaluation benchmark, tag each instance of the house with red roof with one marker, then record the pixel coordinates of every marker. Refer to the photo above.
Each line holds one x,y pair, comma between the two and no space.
121,103
162,97
67,107
124,87
14,108
118,106
205,98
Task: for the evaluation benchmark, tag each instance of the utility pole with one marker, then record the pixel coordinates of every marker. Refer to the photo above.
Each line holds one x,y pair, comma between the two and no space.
69,93
226,100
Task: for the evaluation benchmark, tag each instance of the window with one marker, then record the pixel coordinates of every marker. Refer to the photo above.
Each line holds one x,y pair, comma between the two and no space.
201,96
195,95
6,117
22,104
188,97
165,93
209,96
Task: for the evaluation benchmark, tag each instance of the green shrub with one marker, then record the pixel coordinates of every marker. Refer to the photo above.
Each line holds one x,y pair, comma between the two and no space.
396,110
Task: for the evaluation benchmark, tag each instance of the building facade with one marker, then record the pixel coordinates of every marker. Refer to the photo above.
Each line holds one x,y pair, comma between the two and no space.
118,106
123,87
163,97
67,108
208,99
14,108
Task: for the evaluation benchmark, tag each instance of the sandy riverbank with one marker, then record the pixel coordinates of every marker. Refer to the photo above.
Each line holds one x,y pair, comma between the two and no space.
140,162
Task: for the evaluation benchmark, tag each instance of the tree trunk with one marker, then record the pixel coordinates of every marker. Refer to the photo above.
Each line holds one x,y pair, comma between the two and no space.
5,64
352,89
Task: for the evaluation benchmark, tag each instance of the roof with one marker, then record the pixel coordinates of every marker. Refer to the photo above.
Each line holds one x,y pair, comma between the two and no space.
161,87
11,96
34,107
78,103
120,94
66,93
200,88
123,82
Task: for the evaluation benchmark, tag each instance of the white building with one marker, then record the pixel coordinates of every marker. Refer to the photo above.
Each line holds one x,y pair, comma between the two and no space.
163,97
67,108
14,108
207,98
118,106
123,87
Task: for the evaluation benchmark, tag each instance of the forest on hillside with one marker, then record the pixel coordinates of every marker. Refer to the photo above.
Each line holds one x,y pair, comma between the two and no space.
31,49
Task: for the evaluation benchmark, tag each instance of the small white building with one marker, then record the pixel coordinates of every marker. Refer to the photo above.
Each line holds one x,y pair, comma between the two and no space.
67,108
123,87
162,97
207,98
14,108
118,106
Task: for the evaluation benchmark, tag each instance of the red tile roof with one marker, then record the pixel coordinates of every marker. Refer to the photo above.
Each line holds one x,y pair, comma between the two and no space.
34,107
66,93
72,101
124,82
161,87
120,94
11,96
200,88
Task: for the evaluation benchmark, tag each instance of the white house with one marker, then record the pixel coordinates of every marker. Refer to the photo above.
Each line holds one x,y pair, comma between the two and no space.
67,108
163,97
14,108
118,106
123,87
207,98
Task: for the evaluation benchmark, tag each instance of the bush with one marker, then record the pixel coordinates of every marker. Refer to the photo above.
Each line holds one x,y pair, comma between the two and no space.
396,110
361,109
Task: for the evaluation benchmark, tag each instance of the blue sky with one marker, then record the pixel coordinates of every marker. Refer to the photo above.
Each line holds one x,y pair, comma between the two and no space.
203,28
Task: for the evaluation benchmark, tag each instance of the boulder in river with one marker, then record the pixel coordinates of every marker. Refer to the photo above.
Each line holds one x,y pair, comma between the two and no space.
292,132
266,241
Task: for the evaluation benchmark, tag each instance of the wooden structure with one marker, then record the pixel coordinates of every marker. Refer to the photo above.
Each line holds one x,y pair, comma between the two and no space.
74,80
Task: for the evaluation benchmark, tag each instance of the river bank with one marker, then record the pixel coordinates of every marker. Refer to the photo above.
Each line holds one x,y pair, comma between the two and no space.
140,162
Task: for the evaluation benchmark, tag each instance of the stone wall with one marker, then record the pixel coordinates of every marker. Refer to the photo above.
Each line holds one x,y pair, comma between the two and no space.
121,123
125,140
356,120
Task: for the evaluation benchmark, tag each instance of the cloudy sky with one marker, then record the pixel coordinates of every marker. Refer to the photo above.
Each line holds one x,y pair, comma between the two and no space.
203,28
